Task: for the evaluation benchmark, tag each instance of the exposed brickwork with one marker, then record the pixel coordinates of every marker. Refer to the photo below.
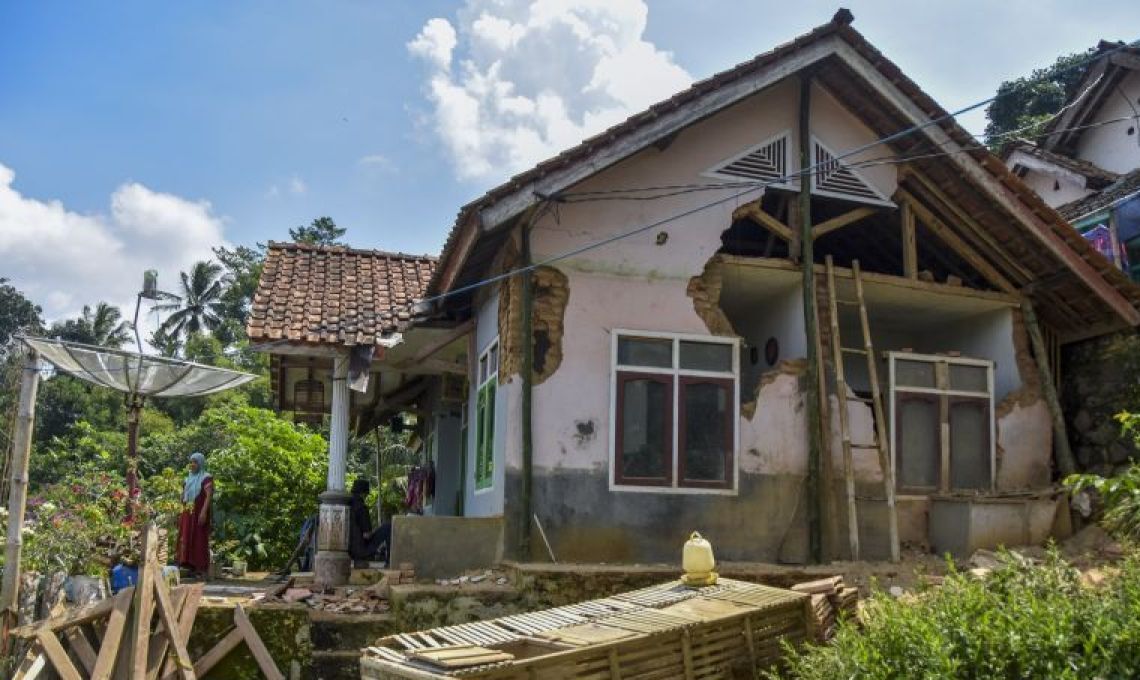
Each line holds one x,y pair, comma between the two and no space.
335,295
551,294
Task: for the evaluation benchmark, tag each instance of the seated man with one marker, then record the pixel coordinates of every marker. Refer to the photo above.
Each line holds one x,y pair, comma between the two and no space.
363,543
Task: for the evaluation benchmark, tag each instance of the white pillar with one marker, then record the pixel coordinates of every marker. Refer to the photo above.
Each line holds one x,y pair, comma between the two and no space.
338,429
333,564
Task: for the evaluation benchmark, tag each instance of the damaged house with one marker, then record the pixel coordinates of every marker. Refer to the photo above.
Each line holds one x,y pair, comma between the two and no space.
795,307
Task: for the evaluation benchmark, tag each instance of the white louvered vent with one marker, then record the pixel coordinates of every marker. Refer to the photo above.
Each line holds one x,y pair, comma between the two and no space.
834,178
765,162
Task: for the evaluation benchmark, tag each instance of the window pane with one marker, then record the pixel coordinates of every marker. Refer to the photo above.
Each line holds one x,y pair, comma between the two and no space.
918,443
969,378
914,373
657,353
706,435
645,438
706,356
969,444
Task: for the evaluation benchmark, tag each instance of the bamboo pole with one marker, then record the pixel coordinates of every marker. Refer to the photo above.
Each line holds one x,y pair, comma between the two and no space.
18,488
1061,450
844,426
811,323
880,419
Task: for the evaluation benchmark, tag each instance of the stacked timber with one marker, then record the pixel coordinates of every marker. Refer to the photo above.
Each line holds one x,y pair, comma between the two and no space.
731,629
830,599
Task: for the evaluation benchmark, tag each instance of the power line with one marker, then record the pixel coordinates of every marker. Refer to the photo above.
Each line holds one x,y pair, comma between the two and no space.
802,173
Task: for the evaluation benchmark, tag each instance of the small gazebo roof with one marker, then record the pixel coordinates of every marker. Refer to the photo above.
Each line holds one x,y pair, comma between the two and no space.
334,295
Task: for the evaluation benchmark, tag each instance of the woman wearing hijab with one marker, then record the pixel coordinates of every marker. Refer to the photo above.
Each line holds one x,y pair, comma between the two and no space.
194,522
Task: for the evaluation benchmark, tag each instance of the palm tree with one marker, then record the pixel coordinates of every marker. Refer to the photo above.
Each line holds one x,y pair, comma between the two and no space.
104,326
201,306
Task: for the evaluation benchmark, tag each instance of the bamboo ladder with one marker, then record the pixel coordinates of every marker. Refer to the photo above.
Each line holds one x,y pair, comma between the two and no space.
876,401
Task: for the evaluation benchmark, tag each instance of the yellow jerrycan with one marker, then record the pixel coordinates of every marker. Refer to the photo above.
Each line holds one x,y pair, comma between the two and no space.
698,562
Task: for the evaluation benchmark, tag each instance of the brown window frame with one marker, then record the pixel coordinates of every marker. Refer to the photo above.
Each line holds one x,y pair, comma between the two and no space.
729,384
621,378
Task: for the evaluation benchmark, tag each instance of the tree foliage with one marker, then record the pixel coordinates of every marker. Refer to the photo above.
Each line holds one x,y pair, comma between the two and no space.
321,232
102,325
1025,104
18,314
200,309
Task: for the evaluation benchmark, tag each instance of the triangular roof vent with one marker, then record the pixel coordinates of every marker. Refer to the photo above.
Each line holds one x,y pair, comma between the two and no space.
765,162
832,177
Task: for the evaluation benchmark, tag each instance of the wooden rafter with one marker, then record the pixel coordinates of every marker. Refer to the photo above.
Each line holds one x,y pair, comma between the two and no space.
909,245
840,221
955,242
755,213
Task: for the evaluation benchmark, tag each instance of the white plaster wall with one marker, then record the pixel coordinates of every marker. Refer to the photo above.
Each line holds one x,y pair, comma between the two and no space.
487,502
1025,445
775,440
1054,190
988,335
1111,147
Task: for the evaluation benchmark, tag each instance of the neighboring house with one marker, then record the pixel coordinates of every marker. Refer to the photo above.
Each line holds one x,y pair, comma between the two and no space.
668,383
1086,164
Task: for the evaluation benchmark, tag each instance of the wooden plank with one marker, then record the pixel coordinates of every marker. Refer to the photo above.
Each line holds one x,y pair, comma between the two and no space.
754,212
811,322
171,630
144,603
885,466
192,600
1063,453
909,245
955,242
33,664
160,643
839,221
253,641
82,648
74,617
217,652
942,379
844,426
113,635
58,657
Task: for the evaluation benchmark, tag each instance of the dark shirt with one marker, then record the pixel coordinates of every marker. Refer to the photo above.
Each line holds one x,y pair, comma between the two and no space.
360,524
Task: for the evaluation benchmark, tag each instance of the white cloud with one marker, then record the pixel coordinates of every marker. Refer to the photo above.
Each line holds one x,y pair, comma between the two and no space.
533,77
435,42
378,161
297,185
63,260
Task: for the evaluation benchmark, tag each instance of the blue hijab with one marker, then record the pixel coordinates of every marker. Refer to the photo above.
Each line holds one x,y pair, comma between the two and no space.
193,485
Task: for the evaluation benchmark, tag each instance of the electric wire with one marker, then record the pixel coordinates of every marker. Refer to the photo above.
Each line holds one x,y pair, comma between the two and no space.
802,173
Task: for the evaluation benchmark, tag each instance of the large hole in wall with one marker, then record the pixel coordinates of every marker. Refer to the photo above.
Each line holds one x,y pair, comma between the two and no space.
551,291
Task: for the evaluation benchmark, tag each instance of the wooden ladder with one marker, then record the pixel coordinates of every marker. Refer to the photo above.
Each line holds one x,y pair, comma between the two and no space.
838,352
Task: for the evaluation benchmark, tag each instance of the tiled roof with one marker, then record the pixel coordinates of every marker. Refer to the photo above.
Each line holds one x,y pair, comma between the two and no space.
1125,186
1095,176
335,295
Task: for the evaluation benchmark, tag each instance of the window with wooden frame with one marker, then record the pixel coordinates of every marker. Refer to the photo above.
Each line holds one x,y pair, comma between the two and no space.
487,379
942,432
674,410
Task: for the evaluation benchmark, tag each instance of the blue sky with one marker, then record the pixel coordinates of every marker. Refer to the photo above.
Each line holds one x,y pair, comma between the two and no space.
161,128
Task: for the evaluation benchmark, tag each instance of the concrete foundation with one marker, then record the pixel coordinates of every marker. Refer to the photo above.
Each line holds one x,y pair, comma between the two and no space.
960,526
445,547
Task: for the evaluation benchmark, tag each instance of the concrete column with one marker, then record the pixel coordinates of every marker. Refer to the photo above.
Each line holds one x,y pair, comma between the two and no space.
333,564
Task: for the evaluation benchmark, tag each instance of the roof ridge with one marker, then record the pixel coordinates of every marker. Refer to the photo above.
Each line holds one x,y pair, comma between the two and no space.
335,248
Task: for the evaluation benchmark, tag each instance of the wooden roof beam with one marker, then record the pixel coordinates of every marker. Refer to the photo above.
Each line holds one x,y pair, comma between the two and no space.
755,213
947,236
840,221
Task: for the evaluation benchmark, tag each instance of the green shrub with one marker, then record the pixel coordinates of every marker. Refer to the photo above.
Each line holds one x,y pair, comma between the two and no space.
1020,622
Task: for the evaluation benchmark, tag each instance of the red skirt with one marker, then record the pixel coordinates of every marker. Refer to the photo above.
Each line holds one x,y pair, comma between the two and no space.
194,538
